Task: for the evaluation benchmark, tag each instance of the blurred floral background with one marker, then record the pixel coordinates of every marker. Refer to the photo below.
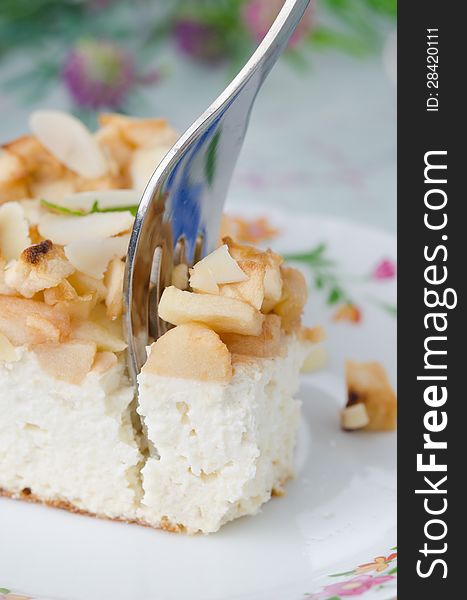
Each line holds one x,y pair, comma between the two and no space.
331,100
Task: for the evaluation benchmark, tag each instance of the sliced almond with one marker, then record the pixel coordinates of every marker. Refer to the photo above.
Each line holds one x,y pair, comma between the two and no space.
354,417
14,314
105,341
191,351
14,230
69,141
113,280
141,132
180,276
218,312
39,267
7,350
223,267
70,361
13,178
92,257
65,230
203,281
266,345
251,290
272,273
293,299
143,164
86,285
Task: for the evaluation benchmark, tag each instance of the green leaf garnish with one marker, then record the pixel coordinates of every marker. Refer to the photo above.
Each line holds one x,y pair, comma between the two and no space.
133,209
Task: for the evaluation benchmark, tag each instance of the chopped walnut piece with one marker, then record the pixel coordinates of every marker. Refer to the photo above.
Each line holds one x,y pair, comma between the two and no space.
218,312
39,267
69,361
44,321
368,384
113,280
204,357
266,345
293,299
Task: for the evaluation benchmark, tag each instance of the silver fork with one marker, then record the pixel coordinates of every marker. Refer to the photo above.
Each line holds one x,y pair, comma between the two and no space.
179,215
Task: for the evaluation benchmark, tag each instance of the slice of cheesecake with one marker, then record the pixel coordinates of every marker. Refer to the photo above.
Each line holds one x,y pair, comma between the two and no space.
209,436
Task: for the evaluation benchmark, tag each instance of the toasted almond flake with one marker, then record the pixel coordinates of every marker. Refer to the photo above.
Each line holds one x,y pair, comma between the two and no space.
218,312
107,199
315,360
39,267
95,332
204,356
143,164
14,230
113,280
13,321
43,327
92,257
7,350
180,276
354,417
202,280
70,142
104,361
70,361
64,230
223,267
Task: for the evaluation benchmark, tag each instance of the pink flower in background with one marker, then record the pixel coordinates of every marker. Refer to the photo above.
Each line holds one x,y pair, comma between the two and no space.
258,16
352,587
100,74
386,269
198,40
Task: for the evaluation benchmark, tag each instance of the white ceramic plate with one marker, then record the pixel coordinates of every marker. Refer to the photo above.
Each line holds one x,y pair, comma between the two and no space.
337,515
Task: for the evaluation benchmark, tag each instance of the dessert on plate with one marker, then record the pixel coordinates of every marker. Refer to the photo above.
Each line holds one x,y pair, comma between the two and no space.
208,436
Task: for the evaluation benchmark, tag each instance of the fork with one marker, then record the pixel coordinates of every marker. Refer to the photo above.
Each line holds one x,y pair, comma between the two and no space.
178,219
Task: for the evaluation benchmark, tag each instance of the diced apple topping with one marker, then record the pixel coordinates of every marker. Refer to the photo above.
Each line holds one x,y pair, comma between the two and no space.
218,312
28,322
203,281
113,280
7,350
266,345
102,336
354,417
69,361
65,296
92,257
70,142
312,334
272,273
368,386
65,230
14,230
39,267
251,290
222,266
86,285
141,132
191,351
104,361
180,276
293,299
